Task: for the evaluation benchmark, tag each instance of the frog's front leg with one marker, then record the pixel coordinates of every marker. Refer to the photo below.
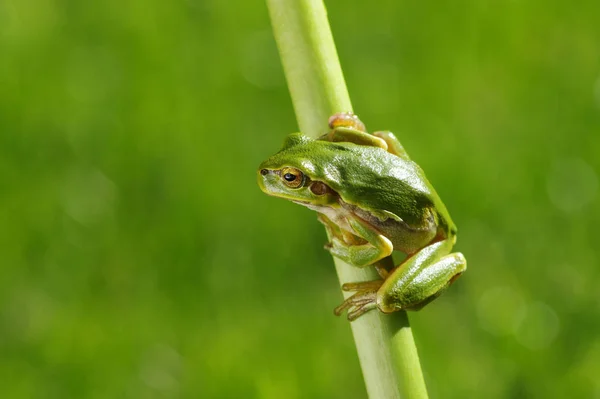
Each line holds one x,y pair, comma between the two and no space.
346,119
346,127
413,284
393,144
363,247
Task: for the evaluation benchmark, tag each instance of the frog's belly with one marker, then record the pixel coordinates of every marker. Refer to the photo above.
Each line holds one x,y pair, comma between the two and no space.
338,215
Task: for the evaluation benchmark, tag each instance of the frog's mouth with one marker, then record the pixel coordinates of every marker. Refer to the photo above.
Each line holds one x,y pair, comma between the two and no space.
305,203
310,205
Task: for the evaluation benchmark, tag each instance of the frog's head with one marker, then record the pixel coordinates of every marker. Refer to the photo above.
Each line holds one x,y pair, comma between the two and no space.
290,173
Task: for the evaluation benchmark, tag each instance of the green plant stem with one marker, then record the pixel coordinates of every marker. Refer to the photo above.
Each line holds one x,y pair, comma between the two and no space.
385,344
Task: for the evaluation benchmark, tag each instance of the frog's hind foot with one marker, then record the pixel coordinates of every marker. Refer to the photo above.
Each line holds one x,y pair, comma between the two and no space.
362,301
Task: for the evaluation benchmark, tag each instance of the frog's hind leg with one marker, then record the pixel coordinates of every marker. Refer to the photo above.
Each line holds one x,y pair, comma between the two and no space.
383,267
416,282
421,278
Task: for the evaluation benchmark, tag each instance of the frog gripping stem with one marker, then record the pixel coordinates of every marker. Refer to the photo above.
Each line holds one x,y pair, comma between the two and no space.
416,282
346,119
385,345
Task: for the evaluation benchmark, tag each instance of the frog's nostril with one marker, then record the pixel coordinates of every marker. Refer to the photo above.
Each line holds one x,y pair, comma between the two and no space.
264,172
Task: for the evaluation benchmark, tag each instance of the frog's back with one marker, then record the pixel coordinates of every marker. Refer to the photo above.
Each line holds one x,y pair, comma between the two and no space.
380,180
367,177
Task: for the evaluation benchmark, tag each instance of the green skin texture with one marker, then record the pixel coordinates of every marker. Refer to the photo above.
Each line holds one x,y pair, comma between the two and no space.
372,200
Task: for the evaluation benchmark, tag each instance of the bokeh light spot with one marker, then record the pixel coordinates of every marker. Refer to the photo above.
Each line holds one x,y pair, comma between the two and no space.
571,184
161,368
88,196
496,309
536,326
92,74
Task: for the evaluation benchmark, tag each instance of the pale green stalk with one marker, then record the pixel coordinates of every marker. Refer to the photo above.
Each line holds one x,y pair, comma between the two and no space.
385,344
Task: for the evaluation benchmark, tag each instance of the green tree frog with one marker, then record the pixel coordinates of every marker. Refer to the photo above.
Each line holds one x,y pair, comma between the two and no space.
372,200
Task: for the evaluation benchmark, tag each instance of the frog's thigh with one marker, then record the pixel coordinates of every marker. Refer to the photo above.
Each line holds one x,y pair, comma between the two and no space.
421,278
350,135
393,144
376,248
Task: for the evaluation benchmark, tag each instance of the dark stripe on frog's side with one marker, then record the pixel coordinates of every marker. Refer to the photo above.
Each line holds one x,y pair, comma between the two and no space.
404,237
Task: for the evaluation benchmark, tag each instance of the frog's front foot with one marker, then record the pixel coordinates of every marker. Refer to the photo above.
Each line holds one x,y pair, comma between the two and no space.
346,119
346,127
362,301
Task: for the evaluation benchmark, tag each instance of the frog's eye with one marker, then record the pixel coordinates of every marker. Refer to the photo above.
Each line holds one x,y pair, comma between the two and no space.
292,177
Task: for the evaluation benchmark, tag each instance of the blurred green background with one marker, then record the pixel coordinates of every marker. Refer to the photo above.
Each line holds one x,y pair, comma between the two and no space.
139,259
